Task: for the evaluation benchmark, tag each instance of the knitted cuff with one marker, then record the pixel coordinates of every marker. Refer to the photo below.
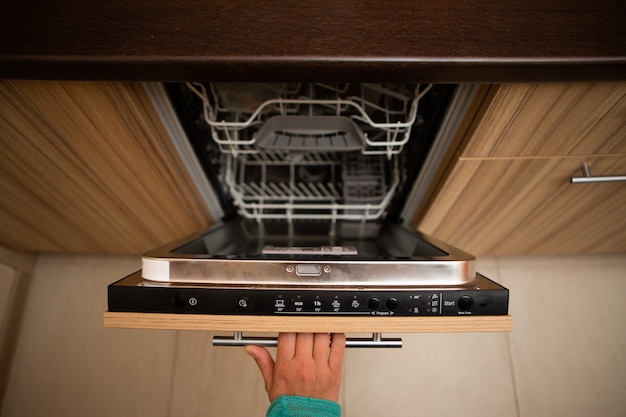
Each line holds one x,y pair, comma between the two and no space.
294,406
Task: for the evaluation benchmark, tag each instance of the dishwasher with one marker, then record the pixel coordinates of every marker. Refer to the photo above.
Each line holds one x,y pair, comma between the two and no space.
312,186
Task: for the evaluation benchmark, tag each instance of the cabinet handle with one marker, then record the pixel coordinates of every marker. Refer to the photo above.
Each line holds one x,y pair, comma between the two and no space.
588,178
376,341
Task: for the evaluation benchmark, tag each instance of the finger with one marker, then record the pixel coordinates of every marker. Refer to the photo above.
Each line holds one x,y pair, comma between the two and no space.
337,349
321,343
264,361
286,346
304,345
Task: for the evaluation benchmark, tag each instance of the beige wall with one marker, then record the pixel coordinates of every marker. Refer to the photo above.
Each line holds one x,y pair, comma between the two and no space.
7,276
565,356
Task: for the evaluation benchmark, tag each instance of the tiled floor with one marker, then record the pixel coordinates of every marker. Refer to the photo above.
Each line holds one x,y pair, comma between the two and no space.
565,356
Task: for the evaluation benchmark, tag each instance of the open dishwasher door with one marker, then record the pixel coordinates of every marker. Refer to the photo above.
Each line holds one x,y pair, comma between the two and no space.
312,183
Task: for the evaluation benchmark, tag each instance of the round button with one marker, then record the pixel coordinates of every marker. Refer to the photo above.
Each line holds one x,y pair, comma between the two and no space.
392,303
178,300
465,303
243,302
373,303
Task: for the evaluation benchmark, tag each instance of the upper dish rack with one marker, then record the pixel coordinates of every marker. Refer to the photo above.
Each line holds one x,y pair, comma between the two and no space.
249,118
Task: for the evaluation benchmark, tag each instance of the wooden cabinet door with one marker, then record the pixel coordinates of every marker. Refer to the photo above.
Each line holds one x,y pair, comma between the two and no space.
529,206
526,120
89,168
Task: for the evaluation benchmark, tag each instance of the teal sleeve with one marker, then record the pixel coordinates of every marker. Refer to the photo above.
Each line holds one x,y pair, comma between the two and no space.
294,406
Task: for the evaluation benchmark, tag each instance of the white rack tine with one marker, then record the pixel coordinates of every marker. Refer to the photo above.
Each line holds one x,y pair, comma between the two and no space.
319,189
285,189
264,156
258,190
322,191
313,157
266,191
314,190
277,190
269,191
326,190
333,190
305,189
252,192
267,156
277,156
296,189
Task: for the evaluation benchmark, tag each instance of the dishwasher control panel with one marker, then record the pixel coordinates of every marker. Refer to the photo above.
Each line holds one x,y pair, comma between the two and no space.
481,297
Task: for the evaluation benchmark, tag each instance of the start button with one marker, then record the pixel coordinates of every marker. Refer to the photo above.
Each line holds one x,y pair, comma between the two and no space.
308,270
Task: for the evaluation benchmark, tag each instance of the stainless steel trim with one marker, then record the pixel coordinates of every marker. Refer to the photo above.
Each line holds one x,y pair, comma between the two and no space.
461,102
162,105
588,178
376,341
342,273
452,267
455,268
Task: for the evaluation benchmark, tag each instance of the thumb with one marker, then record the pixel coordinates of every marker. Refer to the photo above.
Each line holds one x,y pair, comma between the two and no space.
264,361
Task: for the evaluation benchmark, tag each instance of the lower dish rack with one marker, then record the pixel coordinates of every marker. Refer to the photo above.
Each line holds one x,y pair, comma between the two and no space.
313,185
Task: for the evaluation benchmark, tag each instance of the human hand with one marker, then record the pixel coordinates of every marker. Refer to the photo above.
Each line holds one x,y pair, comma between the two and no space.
307,365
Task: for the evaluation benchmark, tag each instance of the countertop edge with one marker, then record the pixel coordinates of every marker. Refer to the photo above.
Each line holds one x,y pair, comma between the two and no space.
354,69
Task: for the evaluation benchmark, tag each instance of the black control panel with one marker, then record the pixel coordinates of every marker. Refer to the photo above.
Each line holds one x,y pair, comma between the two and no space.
481,297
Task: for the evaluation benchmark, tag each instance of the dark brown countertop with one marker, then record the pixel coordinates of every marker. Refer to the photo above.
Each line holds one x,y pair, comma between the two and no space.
329,40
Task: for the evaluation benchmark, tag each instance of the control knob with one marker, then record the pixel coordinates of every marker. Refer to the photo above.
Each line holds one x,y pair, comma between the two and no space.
392,303
465,303
373,303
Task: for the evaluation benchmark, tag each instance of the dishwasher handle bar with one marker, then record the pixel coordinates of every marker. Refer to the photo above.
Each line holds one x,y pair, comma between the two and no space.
376,341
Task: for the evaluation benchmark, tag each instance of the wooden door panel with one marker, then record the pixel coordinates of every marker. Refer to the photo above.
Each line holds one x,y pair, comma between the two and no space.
88,168
529,206
525,120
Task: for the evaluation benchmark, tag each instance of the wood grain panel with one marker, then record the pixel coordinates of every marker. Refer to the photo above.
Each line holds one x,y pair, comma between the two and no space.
308,324
552,119
528,206
88,168
319,40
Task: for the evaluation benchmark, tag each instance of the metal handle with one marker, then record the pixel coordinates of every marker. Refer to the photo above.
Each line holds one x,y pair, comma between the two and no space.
588,178
376,341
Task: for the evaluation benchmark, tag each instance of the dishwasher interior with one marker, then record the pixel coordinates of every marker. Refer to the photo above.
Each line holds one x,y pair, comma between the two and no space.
311,150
